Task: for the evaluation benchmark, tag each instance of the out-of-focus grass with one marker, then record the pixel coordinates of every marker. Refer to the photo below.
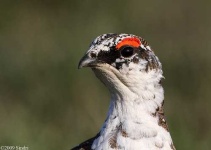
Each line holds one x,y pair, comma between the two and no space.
46,103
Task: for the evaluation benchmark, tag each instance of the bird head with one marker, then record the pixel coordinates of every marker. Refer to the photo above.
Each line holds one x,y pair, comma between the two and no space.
123,62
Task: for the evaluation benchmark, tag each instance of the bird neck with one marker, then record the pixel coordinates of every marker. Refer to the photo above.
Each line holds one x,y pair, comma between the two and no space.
136,116
140,108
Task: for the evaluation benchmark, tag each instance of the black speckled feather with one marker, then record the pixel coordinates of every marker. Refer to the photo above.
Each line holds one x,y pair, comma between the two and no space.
86,145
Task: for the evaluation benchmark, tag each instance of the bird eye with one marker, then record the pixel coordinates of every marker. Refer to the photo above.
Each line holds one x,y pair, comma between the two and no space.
127,51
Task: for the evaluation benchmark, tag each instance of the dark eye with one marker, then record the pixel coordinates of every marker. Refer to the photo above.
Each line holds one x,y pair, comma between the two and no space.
127,51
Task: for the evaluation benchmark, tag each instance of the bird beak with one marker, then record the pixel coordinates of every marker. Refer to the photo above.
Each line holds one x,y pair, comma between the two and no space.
86,61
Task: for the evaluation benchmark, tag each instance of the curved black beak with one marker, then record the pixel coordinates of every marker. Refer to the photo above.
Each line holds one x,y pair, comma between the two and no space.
86,61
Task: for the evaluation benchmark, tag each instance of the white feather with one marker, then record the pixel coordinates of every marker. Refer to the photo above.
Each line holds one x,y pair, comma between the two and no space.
135,95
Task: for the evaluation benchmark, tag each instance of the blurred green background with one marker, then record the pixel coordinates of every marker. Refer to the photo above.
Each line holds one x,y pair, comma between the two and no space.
46,103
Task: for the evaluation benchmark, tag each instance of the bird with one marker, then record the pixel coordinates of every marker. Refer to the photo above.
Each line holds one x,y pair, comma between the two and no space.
129,68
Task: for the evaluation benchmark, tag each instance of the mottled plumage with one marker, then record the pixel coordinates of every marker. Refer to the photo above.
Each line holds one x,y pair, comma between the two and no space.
131,71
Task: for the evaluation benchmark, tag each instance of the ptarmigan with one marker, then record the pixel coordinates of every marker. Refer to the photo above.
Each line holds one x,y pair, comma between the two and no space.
131,71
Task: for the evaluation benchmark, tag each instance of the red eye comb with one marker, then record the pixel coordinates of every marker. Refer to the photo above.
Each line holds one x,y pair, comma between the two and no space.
132,41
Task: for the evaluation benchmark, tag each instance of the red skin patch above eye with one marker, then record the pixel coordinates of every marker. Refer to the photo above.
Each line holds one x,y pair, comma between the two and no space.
135,42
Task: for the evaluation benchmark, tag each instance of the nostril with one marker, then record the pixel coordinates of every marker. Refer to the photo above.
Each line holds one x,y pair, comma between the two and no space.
93,55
